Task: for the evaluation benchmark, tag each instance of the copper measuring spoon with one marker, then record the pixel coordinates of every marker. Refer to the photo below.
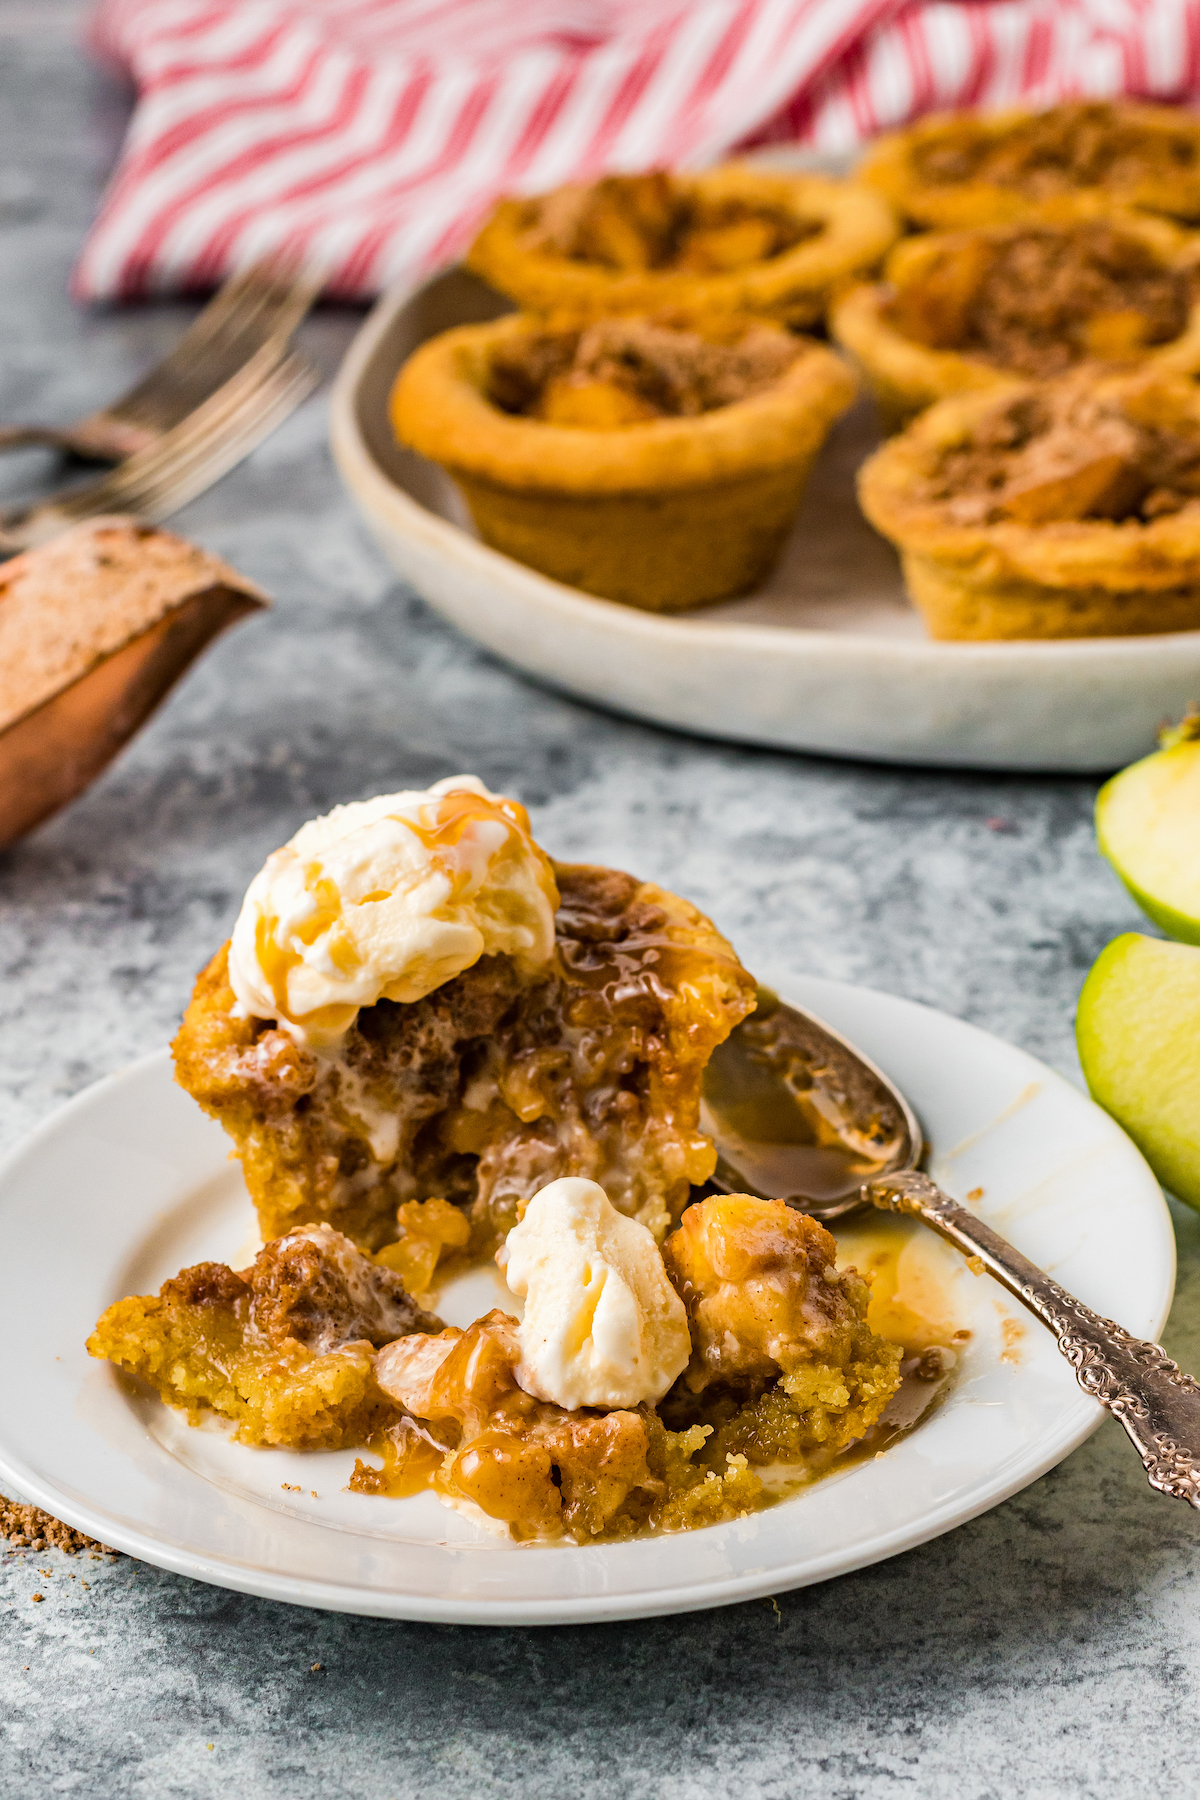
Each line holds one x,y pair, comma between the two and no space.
797,1113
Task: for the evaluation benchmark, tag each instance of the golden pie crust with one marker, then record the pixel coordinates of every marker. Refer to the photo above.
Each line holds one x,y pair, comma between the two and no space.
663,514
1076,548
954,170
648,242
966,310
491,1086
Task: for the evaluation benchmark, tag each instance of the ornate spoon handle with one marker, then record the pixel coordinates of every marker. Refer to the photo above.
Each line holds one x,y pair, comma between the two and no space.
1137,1382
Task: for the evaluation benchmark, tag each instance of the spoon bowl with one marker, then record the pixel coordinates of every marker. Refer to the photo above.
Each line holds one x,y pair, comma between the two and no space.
799,1114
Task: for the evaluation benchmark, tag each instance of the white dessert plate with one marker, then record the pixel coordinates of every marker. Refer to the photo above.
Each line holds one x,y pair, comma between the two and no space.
827,656
130,1182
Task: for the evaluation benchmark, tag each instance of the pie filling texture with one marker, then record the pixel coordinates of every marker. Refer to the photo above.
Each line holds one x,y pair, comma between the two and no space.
1070,452
641,222
491,1086
318,1346
627,371
1079,145
1038,299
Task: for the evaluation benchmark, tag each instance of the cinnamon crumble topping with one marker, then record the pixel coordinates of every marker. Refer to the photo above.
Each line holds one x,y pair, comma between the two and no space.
1068,452
655,222
1041,298
315,1287
640,368
1079,144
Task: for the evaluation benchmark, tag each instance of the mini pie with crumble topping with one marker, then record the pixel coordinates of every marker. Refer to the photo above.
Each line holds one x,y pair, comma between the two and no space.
1063,509
735,239
970,309
951,170
490,1086
655,461
433,1047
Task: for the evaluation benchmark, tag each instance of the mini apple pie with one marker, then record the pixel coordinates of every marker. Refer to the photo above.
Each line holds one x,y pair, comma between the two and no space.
285,1350
1069,509
968,309
783,1370
417,1005
656,461
951,170
732,240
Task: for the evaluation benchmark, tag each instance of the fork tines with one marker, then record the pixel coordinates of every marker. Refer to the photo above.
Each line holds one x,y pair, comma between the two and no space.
183,462
259,308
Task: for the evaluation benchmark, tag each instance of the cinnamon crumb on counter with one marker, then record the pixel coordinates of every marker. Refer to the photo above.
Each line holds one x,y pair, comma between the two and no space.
29,1528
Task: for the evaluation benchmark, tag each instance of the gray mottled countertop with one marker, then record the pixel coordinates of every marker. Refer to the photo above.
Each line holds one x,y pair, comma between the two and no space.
1051,1648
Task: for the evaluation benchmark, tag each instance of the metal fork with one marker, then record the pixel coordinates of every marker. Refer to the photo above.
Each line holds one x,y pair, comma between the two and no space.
183,461
260,307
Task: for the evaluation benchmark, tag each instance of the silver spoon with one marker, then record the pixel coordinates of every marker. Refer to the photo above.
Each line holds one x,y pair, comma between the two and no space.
797,1113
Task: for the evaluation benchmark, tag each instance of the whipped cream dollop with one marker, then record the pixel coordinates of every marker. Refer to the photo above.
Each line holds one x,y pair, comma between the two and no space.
603,1326
386,899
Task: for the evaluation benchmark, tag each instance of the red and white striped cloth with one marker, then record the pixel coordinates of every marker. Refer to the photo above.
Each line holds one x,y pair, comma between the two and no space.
374,135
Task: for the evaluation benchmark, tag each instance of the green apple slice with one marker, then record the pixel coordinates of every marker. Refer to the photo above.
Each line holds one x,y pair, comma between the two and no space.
1148,826
1138,1031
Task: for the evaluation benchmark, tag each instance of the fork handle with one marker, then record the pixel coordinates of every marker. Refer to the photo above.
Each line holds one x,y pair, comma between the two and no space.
101,438
1137,1382
16,437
